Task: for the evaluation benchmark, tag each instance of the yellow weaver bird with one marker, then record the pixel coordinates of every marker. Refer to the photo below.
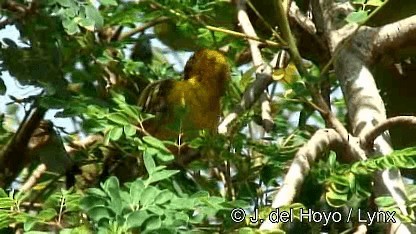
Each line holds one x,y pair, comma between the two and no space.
183,107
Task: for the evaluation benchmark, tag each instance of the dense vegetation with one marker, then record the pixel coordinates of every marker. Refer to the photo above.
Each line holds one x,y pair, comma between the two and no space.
302,126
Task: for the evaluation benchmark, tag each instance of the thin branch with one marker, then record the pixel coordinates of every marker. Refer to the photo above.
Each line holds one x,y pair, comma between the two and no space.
322,141
275,33
368,138
212,28
245,36
143,27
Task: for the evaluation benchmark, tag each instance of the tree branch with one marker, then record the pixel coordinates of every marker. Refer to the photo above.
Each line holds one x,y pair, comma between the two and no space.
368,138
322,141
301,19
395,35
143,27
251,94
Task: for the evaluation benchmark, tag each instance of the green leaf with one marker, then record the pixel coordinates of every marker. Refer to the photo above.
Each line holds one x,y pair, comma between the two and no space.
148,196
164,156
3,193
149,163
109,2
200,194
163,197
70,12
115,133
29,223
156,210
375,3
70,26
100,212
85,23
131,111
64,3
182,203
89,201
118,119
129,130
93,14
136,189
47,214
112,186
160,175
181,216
153,222
336,199
6,203
357,17
137,218
37,232
154,142
97,192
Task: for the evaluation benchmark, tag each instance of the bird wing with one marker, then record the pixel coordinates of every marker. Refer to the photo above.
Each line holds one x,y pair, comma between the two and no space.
154,98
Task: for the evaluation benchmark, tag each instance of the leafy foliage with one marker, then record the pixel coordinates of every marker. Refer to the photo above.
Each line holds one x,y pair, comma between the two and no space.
92,59
343,182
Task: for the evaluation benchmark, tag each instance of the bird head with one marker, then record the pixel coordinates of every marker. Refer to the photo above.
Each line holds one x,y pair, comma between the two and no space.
209,67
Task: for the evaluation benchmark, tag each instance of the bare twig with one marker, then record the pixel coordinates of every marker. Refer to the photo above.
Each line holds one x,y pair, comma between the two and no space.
245,36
